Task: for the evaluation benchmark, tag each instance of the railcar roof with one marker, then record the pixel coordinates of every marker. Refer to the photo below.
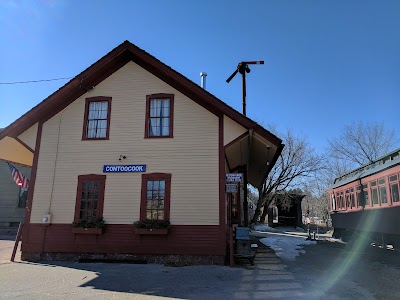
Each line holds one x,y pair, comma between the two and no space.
385,162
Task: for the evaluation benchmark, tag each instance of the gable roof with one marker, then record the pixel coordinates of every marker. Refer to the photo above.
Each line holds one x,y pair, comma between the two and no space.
109,64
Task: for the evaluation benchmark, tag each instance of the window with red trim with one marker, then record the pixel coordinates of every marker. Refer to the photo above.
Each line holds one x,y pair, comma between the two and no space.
155,199
90,198
347,202
374,193
96,125
382,191
338,201
394,188
159,115
366,193
394,192
352,199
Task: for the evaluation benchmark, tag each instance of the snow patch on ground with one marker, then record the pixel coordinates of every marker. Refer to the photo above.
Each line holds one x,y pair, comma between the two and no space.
333,240
266,228
287,247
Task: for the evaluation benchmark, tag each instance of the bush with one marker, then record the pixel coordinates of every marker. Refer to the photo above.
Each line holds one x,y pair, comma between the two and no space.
99,223
152,224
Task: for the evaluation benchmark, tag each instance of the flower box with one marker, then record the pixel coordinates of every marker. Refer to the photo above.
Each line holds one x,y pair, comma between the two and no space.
152,231
87,230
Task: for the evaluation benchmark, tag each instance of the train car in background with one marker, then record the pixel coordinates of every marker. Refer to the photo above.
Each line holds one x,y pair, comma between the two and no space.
365,203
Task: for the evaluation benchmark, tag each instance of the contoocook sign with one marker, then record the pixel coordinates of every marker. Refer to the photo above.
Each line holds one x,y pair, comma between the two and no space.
124,168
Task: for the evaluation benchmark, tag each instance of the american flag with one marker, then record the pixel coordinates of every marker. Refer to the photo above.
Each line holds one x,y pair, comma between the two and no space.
18,177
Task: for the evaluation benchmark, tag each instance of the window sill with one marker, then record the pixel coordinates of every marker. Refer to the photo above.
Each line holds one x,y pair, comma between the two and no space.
159,231
159,137
87,230
95,139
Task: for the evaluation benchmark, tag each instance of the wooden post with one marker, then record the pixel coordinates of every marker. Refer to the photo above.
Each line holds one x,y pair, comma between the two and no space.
17,239
245,202
231,260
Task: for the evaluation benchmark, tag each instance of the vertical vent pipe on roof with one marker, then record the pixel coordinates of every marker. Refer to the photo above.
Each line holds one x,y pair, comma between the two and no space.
203,76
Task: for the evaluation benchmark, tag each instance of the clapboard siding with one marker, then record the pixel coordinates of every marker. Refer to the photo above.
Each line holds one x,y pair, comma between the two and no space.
29,136
119,238
191,156
232,130
9,192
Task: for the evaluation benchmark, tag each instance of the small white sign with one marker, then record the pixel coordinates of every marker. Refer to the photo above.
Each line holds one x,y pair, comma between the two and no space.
231,188
234,177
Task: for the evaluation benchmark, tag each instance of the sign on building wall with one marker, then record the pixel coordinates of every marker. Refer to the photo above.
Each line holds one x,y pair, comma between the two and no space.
234,177
231,187
124,168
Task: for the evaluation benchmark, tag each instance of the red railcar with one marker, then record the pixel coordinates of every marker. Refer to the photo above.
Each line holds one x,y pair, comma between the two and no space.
365,203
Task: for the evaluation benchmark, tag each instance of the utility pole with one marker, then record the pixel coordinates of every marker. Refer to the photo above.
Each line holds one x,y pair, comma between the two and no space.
243,68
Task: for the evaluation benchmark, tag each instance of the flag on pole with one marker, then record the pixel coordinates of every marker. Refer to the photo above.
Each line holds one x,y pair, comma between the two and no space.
18,177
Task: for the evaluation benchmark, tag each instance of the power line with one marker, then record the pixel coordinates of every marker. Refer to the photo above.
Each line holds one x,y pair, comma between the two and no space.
34,81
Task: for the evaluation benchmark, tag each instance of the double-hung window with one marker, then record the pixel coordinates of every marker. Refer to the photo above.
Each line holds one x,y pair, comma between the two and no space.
382,191
394,188
155,199
96,124
159,116
89,198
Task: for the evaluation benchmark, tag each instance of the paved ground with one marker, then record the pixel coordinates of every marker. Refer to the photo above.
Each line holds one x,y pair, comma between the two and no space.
325,271
6,246
348,272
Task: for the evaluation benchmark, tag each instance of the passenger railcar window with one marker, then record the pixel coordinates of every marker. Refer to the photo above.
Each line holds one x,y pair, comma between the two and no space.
338,200
353,202
394,191
342,200
382,191
359,199
365,191
347,199
375,198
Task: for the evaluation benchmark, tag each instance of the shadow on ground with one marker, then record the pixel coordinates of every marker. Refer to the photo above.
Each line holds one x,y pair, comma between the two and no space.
267,279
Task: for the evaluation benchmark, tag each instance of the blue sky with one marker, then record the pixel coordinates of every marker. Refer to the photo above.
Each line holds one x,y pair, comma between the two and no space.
327,63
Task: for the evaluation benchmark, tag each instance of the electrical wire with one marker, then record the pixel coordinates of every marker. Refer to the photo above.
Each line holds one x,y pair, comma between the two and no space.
35,81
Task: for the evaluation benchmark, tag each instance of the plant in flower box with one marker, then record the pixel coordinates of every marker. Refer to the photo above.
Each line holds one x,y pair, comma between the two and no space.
152,226
89,227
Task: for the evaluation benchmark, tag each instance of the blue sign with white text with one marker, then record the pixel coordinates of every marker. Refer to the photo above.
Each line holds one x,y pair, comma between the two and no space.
124,168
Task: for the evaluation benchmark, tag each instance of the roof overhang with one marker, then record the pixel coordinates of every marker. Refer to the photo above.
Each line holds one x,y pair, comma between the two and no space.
13,151
255,153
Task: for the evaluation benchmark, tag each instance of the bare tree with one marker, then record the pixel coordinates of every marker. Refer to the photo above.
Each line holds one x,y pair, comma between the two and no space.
297,161
361,143
316,202
358,143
